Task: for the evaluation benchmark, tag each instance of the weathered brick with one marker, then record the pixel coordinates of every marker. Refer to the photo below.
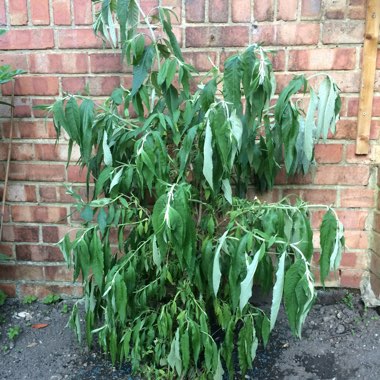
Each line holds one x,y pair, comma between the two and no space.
53,234
73,85
357,197
298,34
61,12
350,278
39,10
241,10
18,12
80,38
102,85
18,39
311,9
38,102
328,153
3,13
39,214
342,175
335,9
20,193
19,152
264,34
176,6
287,10
37,172
217,36
200,60
7,249
29,252
342,32
57,273
322,59
30,85
319,196
19,233
263,10
195,10
82,12
14,60
58,63
54,152
218,10
8,289
107,63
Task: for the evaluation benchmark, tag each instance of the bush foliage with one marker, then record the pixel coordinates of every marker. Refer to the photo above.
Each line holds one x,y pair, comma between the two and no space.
170,248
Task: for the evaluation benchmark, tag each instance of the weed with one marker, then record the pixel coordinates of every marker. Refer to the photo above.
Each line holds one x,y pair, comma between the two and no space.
2,319
50,299
13,332
65,308
29,299
348,300
3,297
4,348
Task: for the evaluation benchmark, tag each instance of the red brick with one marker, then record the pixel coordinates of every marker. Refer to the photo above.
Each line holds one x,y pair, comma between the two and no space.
264,34
27,85
322,59
148,5
78,39
36,172
3,13
241,11
14,60
195,10
200,60
21,272
346,129
347,81
353,219
61,12
263,10
54,152
335,9
76,174
342,175
38,253
53,234
217,36
218,10
19,152
351,260
39,10
342,32
298,34
42,291
328,153
357,13
103,85
356,239
376,221
58,63
18,12
6,249
20,193
350,278
287,10
82,12
58,273
39,214
29,130
18,39
8,289
20,233
311,9
22,107
319,196
357,197
353,158
278,60
54,194
106,63
73,85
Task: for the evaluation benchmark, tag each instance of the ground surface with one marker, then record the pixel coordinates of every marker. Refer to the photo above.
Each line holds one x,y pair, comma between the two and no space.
341,340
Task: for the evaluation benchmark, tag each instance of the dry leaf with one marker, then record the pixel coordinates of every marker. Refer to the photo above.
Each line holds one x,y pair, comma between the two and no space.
40,325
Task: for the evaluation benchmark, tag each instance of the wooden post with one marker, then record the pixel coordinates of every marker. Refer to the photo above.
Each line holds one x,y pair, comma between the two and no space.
368,76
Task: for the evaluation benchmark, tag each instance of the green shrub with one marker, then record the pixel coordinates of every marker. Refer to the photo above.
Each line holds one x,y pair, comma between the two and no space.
171,169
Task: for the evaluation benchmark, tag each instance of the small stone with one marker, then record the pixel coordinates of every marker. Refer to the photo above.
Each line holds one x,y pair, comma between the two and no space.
339,315
340,329
56,377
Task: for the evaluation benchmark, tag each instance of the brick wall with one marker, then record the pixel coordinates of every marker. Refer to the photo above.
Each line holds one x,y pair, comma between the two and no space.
53,41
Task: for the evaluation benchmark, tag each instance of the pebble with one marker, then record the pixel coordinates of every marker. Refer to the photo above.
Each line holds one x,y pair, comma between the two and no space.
339,315
56,377
340,329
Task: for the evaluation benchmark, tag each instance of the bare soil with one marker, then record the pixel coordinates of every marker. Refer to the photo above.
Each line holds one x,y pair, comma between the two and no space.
341,340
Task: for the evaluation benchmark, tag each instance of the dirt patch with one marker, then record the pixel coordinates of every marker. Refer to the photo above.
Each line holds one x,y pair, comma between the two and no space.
341,340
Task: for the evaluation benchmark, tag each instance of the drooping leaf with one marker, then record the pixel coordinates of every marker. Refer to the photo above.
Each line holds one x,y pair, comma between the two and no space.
141,70
216,273
207,154
277,290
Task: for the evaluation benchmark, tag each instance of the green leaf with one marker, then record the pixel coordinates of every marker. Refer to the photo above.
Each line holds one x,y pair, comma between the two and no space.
185,350
116,179
97,259
121,299
122,16
219,370
174,358
328,238
72,115
216,273
308,144
172,66
226,186
156,253
141,70
207,156
87,214
247,284
232,82
106,150
277,290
